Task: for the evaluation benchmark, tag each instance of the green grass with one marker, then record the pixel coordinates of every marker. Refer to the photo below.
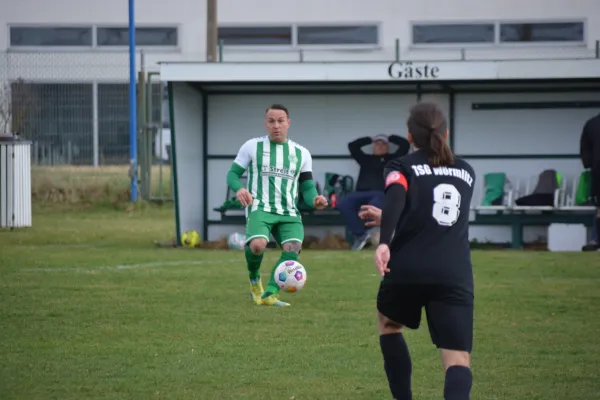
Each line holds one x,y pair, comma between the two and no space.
89,309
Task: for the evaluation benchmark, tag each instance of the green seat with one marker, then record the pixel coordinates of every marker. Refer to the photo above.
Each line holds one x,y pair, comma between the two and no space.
583,195
494,188
231,202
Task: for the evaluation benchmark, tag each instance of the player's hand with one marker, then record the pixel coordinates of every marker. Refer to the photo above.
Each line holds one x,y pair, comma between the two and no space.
371,213
382,257
244,196
320,202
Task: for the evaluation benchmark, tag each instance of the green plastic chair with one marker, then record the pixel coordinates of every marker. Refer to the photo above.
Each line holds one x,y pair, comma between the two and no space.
583,195
494,188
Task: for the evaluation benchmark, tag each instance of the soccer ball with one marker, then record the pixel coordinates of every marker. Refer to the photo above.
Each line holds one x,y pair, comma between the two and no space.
290,276
190,239
236,241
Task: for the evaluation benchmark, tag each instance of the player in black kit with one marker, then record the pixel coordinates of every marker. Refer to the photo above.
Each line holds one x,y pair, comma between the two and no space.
424,256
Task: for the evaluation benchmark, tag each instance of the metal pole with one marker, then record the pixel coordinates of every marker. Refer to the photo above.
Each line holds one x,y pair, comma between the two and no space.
132,105
147,134
212,31
95,137
397,49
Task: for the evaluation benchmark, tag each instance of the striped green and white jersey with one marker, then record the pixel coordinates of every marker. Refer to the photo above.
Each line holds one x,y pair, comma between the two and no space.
273,172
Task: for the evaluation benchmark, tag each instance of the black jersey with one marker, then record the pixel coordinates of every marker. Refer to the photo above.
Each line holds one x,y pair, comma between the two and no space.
431,241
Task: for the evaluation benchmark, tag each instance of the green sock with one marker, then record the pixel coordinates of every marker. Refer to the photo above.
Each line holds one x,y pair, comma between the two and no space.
253,263
272,287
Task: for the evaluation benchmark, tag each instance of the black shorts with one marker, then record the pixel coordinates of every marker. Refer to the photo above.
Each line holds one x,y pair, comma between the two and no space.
449,311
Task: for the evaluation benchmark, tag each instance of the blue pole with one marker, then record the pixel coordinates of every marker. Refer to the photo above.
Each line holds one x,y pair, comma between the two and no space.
132,104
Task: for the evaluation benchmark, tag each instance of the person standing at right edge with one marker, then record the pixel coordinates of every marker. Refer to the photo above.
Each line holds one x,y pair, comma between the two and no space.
590,158
424,256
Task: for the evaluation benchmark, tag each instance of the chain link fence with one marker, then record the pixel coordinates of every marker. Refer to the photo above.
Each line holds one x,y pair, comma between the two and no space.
74,107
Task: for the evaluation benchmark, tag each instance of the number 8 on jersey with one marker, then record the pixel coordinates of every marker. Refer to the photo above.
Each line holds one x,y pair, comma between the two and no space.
446,204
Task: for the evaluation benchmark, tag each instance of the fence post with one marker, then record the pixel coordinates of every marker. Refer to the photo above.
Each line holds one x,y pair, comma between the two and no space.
95,122
141,113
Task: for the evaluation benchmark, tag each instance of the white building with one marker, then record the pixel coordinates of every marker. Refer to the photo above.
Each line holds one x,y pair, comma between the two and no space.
84,43
335,30
77,51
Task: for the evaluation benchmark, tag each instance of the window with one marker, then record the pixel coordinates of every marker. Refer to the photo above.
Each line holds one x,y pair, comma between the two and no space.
338,35
542,32
50,36
256,36
59,117
146,36
453,33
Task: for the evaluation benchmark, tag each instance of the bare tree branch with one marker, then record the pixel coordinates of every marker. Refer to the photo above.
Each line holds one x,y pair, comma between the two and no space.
5,109
17,102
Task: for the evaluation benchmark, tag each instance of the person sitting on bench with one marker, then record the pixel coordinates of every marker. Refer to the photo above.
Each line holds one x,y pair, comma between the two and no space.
370,183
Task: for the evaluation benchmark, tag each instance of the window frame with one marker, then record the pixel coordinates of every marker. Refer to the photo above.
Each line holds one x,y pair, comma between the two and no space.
339,46
459,45
583,21
148,48
497,43
294,46
94,47
261,47
10,47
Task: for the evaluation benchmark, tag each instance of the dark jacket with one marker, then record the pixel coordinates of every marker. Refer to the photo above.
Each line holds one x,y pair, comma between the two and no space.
589,150
370,176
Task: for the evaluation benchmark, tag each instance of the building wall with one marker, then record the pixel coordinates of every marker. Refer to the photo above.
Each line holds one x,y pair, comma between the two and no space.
189,16
392,18
94,128
187,108
395,18
526,131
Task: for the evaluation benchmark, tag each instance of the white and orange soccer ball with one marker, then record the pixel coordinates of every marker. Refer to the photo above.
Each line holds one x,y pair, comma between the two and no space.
290,276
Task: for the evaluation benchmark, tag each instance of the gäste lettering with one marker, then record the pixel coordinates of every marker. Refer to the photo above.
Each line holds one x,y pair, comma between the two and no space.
410,71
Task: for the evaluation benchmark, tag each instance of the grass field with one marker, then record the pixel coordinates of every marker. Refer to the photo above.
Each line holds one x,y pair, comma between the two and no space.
90,309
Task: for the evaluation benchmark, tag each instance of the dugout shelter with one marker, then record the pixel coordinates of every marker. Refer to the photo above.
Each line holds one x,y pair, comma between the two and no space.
513,118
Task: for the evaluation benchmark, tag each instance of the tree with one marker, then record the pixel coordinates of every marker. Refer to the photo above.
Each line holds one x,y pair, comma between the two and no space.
17,102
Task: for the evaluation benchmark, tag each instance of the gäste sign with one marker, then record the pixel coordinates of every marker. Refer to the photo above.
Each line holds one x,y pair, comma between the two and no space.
410,71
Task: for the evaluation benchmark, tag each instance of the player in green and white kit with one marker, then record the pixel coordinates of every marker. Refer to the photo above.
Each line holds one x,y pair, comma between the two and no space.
278,168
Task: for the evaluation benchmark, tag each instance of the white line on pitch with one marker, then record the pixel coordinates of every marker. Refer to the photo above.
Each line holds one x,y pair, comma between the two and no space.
132,266
154,264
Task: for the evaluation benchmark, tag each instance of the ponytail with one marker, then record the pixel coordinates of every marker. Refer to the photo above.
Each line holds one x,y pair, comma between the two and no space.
439,152
427,125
